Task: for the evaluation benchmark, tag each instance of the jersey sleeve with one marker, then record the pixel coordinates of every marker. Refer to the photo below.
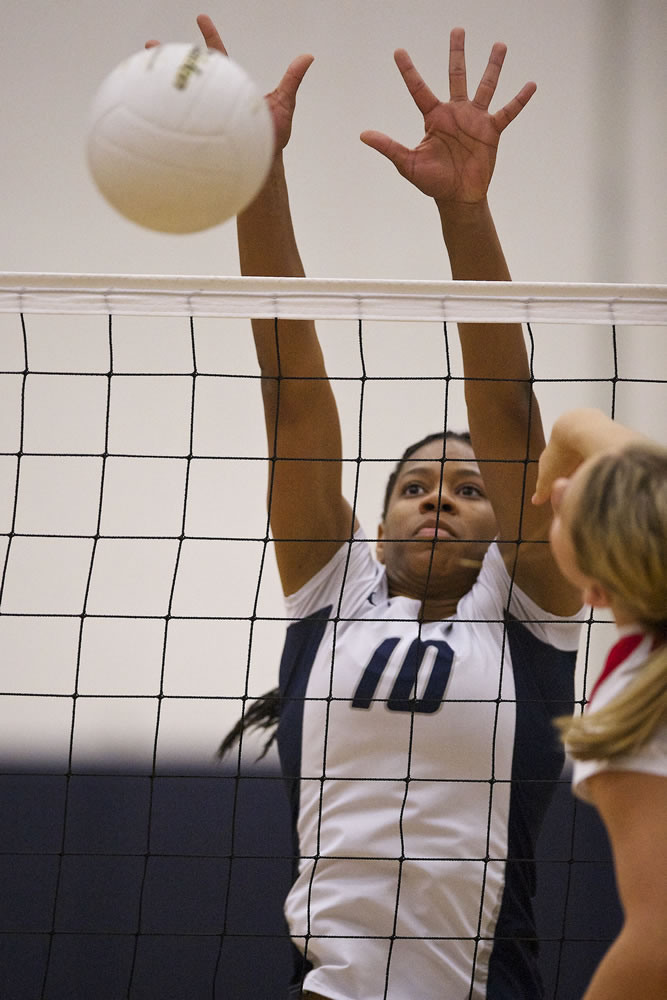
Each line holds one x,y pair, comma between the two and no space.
495,595
346,583
648,759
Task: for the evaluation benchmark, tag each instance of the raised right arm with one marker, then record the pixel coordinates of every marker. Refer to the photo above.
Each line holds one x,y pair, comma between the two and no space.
310,519
302,426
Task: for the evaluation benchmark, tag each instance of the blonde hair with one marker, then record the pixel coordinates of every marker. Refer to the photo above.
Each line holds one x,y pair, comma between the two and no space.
619,533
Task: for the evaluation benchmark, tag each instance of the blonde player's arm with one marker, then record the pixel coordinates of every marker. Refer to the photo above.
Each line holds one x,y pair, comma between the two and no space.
633,806
577,435
310,519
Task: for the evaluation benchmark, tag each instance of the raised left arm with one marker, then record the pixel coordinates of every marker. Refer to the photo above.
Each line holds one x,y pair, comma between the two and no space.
454,164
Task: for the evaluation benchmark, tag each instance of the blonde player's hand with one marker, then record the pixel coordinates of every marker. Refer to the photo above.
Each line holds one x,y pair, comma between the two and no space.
557,463
565,451
455,159
576,436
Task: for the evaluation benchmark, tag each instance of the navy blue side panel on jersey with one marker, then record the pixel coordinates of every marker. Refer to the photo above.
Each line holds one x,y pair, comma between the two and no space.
544,684
302,641
301,644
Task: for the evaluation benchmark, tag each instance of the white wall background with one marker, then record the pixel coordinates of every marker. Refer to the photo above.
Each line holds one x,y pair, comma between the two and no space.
578,190
578,196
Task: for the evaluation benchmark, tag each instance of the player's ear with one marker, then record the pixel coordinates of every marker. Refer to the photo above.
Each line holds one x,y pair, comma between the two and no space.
379,545
596,595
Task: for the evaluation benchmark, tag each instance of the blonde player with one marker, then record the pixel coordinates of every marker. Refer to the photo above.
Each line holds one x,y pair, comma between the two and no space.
608,487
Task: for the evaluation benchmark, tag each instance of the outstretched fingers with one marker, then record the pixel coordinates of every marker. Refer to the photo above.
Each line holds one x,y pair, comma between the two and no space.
489,82
507,114
421,94
458,84
294,74
394,151
210,34
487,88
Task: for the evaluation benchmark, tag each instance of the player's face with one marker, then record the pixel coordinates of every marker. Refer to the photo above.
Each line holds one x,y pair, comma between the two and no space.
439,522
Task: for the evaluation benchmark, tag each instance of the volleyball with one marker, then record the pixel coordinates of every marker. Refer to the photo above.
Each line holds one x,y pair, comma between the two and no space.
180,138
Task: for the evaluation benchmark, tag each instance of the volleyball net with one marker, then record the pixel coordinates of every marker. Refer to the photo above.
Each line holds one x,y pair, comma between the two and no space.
140,610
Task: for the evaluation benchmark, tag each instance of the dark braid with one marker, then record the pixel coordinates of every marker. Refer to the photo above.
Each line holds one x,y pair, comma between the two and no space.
264,713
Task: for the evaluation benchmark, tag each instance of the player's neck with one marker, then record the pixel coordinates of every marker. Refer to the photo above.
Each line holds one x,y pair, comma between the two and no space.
437,610
623,616
442,598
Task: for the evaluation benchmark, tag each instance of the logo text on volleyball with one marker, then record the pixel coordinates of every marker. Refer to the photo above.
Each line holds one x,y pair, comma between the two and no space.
189,66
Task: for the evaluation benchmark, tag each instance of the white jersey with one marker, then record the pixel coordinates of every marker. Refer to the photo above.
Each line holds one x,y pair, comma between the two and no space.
624,662
419,759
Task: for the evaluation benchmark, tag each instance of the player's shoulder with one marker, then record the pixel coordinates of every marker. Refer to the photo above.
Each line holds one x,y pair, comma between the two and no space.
349,580
496,597
488,595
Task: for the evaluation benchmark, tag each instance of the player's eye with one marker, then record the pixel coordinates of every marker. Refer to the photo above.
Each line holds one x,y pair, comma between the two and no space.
470,490
413,489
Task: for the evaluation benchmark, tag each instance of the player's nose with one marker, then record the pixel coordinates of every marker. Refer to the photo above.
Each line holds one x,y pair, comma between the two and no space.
439,498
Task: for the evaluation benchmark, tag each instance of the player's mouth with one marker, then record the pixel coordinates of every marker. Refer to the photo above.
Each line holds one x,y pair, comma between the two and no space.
433,530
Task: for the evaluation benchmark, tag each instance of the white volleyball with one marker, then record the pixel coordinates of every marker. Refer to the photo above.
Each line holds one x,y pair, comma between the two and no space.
180,138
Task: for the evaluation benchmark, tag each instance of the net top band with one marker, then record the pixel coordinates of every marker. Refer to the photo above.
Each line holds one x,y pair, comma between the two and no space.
311,298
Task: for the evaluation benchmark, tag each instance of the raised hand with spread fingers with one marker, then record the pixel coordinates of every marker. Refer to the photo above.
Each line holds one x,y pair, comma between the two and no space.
282,100
455,159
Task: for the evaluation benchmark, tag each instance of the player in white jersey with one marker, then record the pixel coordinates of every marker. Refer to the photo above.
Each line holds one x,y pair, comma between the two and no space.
609,490
415,699
436,746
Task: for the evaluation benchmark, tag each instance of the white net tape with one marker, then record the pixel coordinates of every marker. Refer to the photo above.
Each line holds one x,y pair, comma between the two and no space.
307,298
